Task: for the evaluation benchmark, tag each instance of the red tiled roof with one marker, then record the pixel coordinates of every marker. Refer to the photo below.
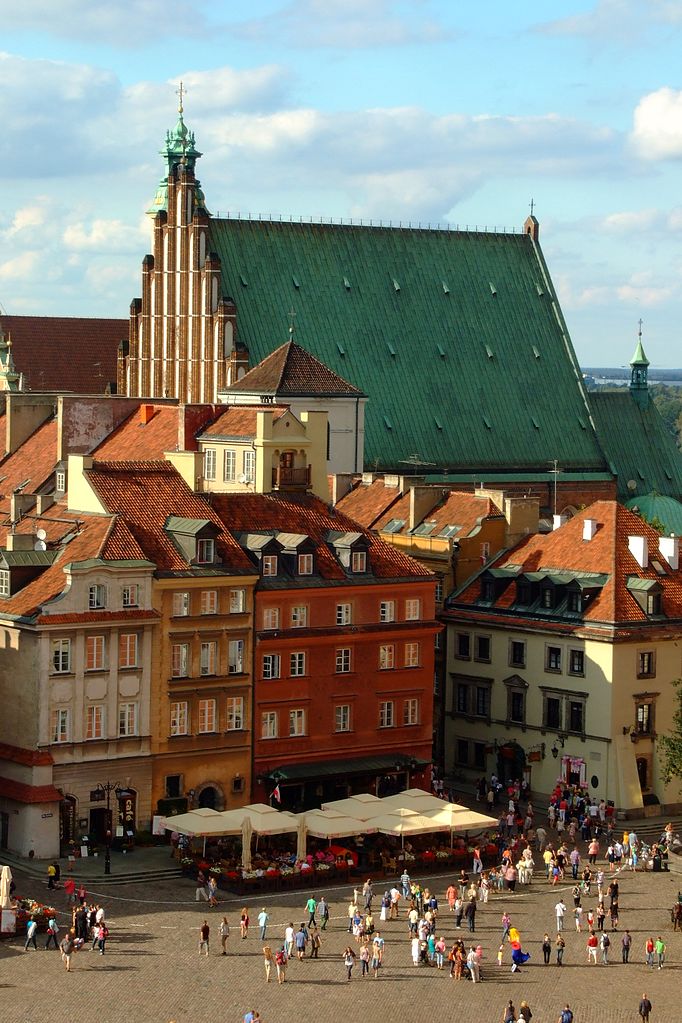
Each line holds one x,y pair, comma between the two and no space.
64,353
22,793
120,544
34,461
607,553
28,757
456,509
239,421
306,514
145,494
367,502
291,371
57,521
134,439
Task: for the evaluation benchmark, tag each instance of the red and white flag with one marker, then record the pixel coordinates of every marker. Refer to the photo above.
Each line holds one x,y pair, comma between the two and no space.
276,794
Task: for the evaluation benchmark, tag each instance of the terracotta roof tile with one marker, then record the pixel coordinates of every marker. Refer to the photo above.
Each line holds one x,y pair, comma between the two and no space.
64,353
22,793
239,421
135,439
120,544
145,494
291,371
34,461
28,757
367,502
306,514
608,553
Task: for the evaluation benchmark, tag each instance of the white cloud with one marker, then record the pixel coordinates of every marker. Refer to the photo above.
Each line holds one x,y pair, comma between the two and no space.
621,22
26,218
657,125
346,24
20,267
103,236
125,23
631,221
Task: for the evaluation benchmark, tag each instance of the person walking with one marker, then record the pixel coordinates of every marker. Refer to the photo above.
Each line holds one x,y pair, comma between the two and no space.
201,890
605,944
546,949
566,1015
349,960
102,935
506,924
224,935
204,934
315,943
70,890
626,943
212,892
281,961
301,940
560,946
311,908
470,914
31,933
51,875
263,919
659,948
560,910
377,954
68,946
644,1008
289,935
267,962
244,922
52,932
323,913
509,1013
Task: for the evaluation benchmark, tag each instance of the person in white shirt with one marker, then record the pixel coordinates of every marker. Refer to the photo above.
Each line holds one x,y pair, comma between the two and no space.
560,910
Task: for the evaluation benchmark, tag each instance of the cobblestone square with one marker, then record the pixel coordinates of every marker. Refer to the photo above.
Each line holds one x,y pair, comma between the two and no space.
152,970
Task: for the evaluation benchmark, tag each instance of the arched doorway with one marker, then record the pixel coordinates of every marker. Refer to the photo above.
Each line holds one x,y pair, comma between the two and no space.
210,797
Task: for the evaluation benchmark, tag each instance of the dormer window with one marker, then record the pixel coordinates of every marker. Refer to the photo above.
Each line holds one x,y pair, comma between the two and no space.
547,597
269,565
654,604
130,595
97,597
575,603
523,593
648,593
60,481
487,589
305,564
358,561
4,583
205,552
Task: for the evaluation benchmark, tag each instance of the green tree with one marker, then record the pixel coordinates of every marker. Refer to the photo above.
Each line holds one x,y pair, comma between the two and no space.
670,745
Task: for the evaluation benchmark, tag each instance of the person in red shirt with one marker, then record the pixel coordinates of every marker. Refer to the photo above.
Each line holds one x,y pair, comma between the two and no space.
70,889
592,945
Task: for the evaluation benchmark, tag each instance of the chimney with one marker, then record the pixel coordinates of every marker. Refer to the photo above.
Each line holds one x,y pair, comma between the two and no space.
368,478
146,414
19,504
639,549
669,547
589,528
341,484
20,541
43,502
558,521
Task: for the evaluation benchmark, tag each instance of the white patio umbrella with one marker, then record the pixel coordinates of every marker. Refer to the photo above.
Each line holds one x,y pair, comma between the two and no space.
320,824
413,799
361,807
5,882
460,818
410,824
301,839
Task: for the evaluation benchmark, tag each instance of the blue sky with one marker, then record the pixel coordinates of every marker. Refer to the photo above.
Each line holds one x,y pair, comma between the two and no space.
422,110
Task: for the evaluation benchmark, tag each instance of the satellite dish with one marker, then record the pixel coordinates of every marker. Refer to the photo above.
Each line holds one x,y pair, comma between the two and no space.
632,485
41,534
40,545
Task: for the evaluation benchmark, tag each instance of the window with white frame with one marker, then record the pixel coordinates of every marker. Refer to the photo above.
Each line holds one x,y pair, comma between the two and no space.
180,660
249,465
271,666
207,718
411,711
386,656
179,717
209,602
343,661
268,724
5,583
387,611
97,597
413,609
237,601
209,463
130,595
60,481
229,465
270,618
297,721
358,561
127,650
94,721
305,564
205,552
61,724
127,719
576,662
485,551
235,656
646,664
94,653
181,604
299,616
235,713
61,655
342,717
269,565
412,655
297,664
344,614
386,717
553,658
208,662
439,589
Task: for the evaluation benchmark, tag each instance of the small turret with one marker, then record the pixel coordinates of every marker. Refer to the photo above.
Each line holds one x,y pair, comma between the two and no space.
179,152
639,373
10,380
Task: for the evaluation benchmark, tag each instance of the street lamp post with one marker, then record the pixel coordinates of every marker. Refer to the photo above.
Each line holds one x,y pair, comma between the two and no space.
106,788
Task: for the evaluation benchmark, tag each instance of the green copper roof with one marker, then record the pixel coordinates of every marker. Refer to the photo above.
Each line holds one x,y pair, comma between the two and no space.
639,358
666,510
456,337
637,445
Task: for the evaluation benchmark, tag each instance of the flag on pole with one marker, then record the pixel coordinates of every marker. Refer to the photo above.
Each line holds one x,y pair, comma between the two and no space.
276,794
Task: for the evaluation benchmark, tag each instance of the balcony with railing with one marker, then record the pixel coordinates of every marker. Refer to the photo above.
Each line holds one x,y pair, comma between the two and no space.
291,478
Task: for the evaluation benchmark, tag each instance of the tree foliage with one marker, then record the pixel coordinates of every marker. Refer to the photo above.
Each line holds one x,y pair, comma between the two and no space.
668,401
670,745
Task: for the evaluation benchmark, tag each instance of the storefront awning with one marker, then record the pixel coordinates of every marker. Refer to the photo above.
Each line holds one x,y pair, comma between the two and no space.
382,763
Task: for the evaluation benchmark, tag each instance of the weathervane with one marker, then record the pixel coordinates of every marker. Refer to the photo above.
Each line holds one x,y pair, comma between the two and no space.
640,321
180,92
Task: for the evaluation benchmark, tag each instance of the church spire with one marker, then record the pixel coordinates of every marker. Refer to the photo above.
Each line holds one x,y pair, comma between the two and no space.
178,151
639,370
9,378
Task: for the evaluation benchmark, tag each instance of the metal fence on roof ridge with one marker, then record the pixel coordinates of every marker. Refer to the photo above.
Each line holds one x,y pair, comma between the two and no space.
274,218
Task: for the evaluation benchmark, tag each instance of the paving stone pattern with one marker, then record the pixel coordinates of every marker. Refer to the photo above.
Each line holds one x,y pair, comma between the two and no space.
152,970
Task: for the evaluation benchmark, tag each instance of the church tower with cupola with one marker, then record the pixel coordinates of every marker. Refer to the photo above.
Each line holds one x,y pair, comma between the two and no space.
181,340
639,373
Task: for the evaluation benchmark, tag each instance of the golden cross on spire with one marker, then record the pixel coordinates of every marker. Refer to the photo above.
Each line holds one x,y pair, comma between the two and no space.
640,321
532,206
180,92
